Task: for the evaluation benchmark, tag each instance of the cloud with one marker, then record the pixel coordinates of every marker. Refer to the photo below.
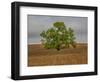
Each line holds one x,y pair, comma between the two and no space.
38,23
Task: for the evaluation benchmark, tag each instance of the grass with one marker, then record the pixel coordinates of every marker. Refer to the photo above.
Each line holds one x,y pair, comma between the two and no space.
39,56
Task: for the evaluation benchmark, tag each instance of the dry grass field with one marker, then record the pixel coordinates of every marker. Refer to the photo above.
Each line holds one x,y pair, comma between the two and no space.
39,56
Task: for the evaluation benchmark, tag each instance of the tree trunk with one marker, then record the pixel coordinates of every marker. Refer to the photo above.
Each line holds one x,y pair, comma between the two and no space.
58,48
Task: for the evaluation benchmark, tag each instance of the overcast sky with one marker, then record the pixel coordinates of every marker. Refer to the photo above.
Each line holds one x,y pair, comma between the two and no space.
38,23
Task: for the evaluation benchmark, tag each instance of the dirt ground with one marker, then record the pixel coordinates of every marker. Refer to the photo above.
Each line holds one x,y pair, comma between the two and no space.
39,56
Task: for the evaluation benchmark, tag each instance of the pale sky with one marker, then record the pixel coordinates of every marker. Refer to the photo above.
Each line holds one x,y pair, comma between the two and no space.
38,23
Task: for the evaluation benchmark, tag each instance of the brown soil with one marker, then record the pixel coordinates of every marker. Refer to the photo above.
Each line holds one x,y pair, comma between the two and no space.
39,56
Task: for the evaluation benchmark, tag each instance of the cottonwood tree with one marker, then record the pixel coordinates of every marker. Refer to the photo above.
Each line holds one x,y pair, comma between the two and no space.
58,37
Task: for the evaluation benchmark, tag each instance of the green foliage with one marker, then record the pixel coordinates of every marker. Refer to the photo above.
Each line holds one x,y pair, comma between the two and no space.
58,37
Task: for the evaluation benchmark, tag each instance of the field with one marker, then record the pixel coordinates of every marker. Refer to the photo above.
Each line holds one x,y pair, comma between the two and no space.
39,56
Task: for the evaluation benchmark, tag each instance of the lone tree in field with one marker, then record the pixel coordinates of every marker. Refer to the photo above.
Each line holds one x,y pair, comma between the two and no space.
58,37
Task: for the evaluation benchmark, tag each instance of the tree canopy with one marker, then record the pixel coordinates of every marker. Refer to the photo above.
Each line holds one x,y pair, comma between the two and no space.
58,37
